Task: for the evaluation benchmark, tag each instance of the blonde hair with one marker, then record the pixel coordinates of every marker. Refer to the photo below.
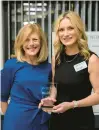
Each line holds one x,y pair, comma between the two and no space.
80,30
23,34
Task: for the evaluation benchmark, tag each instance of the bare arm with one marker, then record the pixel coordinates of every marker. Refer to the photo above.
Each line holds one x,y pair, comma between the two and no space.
4,106
53,90
93,69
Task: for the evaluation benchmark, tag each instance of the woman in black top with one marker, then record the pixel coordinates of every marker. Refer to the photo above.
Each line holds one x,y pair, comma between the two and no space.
76,72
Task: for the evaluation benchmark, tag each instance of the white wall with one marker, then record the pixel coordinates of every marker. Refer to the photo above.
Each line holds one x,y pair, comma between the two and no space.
1,38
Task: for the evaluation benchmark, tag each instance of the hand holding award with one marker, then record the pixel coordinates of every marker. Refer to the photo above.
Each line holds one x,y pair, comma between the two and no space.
47,101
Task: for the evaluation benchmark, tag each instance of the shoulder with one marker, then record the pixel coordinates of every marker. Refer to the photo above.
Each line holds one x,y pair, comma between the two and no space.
10,62
13,64
93,59
9,67
93,63
49,64
91,53
46,65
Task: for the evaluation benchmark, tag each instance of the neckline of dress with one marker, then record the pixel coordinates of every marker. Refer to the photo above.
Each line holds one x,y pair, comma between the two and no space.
31,64
74,57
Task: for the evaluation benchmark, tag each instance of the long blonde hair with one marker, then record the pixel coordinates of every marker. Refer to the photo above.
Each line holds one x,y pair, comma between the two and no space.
80,30
23,34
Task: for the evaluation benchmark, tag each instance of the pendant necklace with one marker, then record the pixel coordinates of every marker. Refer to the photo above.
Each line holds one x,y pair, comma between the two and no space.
72,59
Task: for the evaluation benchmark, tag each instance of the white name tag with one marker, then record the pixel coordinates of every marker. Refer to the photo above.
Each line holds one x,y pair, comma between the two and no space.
80,66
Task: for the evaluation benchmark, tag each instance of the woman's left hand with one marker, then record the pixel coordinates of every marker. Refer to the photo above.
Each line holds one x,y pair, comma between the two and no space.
62,107
49,101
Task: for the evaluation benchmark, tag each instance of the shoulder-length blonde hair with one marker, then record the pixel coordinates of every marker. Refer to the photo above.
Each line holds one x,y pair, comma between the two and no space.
23,34
80,30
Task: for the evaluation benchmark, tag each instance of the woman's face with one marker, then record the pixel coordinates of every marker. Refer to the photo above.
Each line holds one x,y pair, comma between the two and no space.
67,33
32,45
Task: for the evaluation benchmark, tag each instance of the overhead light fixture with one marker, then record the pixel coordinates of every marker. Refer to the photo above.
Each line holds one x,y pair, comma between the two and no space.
37,4
24,23
27,4
40,4
35,9
30,13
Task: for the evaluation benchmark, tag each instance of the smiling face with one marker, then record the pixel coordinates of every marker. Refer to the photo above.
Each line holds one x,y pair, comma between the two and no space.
67,33
32,45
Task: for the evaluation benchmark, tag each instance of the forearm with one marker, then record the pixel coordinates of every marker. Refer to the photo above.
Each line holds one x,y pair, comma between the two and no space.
91,100
53,92
4,106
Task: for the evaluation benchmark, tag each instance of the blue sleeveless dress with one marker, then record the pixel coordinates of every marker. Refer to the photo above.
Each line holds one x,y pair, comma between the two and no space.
23,82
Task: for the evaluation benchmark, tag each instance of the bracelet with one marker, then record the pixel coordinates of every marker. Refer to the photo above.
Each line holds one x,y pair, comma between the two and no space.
75,104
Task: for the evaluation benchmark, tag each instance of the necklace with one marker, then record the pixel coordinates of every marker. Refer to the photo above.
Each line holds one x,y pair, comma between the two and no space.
72,59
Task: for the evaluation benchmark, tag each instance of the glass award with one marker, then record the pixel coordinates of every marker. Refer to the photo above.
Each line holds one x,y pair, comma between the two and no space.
46,92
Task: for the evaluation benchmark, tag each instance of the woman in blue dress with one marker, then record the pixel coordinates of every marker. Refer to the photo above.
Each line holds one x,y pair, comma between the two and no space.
23,77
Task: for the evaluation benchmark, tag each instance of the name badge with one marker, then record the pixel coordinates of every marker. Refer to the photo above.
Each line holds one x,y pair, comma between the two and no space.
80,66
